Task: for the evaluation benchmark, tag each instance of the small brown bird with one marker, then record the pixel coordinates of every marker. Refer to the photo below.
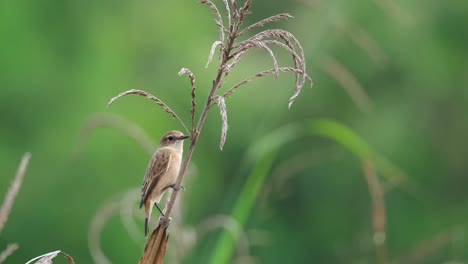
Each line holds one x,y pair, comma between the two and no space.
162,172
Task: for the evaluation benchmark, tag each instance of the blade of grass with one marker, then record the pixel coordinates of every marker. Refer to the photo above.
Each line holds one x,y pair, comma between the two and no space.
263,153
351,141
226,244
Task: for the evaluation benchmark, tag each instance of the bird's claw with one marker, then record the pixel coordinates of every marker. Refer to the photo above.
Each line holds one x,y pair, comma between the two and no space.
165,223
173,186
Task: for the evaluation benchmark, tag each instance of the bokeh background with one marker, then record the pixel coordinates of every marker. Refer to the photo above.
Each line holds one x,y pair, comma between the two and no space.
390,89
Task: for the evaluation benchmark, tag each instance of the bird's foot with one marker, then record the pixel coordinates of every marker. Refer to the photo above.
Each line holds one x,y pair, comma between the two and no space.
173,186
165,223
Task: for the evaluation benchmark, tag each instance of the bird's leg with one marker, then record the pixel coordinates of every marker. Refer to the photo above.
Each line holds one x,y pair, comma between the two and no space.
163,223
157,206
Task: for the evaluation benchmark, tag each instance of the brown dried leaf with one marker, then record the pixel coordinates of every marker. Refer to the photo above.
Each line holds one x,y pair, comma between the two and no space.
155,248
152,97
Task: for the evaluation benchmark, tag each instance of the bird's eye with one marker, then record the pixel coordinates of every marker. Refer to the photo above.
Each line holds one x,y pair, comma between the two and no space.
170,138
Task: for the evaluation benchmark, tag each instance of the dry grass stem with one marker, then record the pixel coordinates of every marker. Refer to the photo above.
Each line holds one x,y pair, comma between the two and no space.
158,101
212,51
392,9
289,48
219,19
127,213
223,111
264,46
286,36
244,10
121,206
290,41
264,73
263,39
368,44
265,21
422,252
8,251
378,208
230,53
106,120
13,191
47,258
349,82
228,11
194,87
156,246
95,230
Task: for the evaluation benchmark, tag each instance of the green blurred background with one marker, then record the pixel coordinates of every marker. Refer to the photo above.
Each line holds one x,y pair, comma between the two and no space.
394,72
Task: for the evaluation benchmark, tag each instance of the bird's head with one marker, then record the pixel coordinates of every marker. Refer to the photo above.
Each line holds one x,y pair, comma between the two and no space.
173,138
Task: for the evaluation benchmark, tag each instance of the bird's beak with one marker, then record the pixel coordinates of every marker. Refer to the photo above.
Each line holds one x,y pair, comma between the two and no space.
184,137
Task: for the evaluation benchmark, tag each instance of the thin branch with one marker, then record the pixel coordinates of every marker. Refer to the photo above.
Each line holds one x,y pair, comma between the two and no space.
194,87
349,82
395,11
264,73
290,49
378,208
228,11
291,41
13,191
265,21
235,13
235,59
244,11
219,19
95,229
423,251
8,251
158,101
366,42
127,213
251,43
106,120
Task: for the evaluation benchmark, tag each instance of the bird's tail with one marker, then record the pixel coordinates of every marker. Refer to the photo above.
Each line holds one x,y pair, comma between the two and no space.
146,226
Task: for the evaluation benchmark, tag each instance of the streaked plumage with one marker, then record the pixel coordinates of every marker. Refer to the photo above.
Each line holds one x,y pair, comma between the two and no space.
162,171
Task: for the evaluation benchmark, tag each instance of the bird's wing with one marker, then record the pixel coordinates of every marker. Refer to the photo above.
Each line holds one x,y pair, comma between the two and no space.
157,167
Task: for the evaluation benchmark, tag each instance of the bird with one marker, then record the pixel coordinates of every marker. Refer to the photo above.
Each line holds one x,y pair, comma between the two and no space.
161,172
